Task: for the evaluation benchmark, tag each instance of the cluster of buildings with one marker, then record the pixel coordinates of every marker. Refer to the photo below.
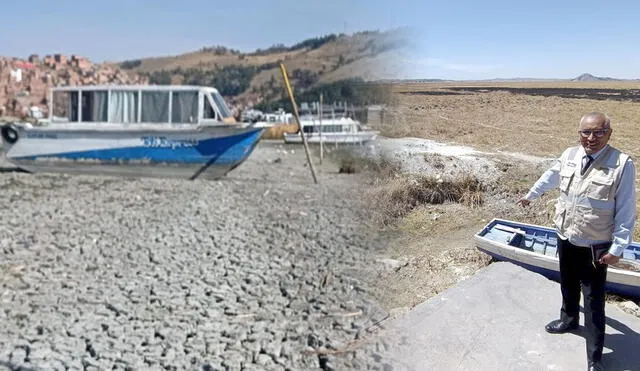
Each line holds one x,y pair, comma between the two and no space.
24,84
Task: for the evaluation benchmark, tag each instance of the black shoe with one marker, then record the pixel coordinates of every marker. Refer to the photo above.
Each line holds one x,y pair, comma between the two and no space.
595,366
559,327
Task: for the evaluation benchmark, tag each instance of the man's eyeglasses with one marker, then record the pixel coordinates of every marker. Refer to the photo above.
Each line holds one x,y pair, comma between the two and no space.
598,133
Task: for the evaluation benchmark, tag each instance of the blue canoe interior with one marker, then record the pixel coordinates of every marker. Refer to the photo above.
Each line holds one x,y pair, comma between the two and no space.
499,237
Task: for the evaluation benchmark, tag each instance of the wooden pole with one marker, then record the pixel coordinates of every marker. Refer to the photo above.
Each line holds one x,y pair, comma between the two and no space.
333,120
297,116
321,154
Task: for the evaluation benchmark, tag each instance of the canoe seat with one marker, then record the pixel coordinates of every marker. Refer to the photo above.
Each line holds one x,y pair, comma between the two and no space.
524,239
543,244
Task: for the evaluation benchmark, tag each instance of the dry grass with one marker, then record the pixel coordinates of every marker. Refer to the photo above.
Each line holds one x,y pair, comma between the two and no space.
350,161
437,244
348,56
504,121
396,196
277,132
429,274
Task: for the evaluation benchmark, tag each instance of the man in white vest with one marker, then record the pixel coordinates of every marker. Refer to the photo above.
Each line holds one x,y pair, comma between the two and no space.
595,217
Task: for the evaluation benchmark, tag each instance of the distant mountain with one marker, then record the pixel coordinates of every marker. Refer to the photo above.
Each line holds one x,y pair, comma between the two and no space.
523,79
585,77
590,77
400,80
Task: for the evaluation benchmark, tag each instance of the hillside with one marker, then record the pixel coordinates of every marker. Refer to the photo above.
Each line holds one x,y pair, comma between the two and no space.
245,79
251,78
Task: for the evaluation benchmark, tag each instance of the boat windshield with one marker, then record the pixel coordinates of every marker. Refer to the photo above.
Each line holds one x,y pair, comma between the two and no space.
222,106
122,106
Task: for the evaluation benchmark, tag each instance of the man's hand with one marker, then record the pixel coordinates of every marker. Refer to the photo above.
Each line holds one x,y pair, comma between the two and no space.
523,202
609,259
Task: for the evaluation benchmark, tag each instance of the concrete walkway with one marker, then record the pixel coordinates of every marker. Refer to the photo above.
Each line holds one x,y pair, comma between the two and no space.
495,321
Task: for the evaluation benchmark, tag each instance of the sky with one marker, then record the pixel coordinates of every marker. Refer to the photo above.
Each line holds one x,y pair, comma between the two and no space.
449,39
526,39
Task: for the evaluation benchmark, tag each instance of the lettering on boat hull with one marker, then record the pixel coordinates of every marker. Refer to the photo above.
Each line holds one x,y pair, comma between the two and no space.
164,142
39,135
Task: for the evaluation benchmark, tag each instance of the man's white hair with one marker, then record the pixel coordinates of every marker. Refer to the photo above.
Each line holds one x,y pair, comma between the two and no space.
597,116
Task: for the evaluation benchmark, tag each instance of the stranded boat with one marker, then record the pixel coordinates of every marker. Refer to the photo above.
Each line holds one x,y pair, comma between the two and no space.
535,248
332,131
133,130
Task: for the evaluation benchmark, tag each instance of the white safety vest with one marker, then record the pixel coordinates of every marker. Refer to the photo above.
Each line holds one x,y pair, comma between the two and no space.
585,208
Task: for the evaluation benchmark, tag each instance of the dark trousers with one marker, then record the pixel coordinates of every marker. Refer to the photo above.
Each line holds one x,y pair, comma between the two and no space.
576,267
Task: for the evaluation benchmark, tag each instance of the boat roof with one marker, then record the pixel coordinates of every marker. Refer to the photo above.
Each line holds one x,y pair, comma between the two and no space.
329,121
142,87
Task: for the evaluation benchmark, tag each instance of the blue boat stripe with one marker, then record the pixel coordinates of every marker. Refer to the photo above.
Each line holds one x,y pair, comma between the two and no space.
225,150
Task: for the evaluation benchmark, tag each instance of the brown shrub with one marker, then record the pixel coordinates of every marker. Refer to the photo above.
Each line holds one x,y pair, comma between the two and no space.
348,166
395,197
349,162
277,131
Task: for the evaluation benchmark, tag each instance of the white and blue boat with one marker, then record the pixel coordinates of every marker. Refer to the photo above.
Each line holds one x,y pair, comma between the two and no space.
133,130
535,248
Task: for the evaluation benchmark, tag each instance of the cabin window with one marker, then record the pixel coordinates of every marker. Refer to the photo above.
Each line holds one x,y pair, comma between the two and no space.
64,106
123,107
155,106
94,106
208,111
184,107
222,106
325,129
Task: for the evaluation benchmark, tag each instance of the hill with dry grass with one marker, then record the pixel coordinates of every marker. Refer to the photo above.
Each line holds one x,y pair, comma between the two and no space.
330,62
255,77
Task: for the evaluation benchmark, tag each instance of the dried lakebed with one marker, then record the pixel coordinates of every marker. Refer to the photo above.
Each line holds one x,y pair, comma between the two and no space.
260,271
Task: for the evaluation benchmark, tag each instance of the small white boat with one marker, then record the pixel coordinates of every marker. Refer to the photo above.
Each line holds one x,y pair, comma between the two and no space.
274,119
332,131
133,130
535,248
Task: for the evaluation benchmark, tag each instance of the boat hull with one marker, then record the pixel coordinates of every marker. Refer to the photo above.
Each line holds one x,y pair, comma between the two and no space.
208,152
535,248
331,138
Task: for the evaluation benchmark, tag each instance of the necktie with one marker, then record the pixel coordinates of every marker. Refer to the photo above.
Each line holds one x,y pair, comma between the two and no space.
586,161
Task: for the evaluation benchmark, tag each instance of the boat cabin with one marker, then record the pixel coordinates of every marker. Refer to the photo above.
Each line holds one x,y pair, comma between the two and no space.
279,117
332,126
138,104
